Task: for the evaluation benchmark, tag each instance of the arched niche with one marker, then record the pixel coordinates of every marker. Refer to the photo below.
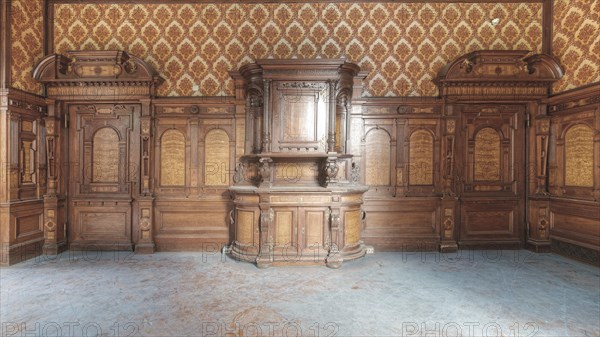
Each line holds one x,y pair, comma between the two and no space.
377,158
579,156
172,158
487,155
105,156
421,158
216,154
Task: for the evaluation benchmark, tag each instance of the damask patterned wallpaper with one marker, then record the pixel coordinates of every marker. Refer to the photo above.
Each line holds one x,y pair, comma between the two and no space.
576,42
403,45
27,34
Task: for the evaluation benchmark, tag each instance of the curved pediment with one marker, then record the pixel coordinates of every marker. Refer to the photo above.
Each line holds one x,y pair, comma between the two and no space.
503,73
113,69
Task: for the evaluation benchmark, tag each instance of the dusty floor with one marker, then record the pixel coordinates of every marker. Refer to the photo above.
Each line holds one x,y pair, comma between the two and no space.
475,293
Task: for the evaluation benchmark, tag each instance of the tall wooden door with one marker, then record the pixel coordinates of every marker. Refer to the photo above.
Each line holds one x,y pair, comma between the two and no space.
103,174
492,144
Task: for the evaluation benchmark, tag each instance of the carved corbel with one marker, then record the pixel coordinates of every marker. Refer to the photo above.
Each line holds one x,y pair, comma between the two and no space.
329,171
334,258
264,260
264,167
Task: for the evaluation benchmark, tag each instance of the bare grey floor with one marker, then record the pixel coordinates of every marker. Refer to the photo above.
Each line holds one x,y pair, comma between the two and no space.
472,293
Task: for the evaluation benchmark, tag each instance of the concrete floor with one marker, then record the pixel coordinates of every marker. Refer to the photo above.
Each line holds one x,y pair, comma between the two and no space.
479,293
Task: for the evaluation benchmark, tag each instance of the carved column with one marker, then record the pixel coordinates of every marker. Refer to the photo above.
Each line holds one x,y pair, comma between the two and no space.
145,201
536,174
334,259
52,163
266,133
264,259
332,113
449,200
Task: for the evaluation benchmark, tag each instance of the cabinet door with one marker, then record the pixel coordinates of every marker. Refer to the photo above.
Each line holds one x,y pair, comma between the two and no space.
285,230
313,222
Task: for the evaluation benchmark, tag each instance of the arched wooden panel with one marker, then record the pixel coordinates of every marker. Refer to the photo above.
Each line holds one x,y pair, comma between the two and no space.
377,158
216,154
172,158
421,158
105,156
487,155
579,156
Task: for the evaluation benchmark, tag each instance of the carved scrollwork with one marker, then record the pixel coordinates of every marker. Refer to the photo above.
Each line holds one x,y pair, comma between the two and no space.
355,173
238,175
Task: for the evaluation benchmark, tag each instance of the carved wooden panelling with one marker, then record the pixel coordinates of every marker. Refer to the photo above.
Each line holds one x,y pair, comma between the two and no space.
105,156
172,158
421,158
579,156
377,158
216,167
487,155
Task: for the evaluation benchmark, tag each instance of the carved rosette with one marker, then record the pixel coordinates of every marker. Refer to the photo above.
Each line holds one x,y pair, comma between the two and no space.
145,224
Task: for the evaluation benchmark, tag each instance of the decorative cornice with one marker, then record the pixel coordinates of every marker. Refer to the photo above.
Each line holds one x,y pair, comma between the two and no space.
501,74
97,73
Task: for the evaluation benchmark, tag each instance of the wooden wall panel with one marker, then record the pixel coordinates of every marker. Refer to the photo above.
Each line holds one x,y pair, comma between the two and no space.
573,196
402,224
22,175
191,225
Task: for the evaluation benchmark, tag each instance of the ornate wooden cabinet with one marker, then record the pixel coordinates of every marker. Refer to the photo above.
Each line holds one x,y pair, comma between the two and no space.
296,195
98,150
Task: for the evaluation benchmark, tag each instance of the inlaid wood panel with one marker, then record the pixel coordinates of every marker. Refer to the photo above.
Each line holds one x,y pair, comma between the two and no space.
421,158
245,226
377,158
352,227
105,156
172,158
216,153
579,156
487,155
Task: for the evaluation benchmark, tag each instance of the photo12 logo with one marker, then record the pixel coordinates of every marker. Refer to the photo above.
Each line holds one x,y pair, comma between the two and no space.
68,329
468,329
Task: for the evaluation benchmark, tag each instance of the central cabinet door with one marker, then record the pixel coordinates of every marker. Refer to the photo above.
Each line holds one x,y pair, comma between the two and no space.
299,233
299,116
